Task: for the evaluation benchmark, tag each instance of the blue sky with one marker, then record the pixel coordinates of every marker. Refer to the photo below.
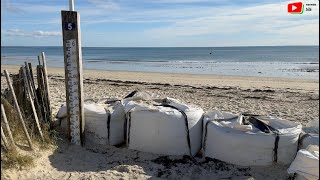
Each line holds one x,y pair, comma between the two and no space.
160,23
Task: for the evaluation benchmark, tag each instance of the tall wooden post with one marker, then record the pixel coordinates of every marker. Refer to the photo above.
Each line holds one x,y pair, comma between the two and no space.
73,75
46,83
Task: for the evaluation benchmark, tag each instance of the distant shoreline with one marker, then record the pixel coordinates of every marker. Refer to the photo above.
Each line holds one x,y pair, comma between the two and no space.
176,46
293,62
196,80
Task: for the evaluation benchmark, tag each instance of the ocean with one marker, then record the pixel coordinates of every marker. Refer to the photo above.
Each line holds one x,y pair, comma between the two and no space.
296,62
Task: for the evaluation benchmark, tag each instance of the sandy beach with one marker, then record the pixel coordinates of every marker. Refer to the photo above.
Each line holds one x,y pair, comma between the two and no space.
294,100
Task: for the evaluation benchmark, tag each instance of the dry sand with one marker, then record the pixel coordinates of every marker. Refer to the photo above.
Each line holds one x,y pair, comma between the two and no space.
295,100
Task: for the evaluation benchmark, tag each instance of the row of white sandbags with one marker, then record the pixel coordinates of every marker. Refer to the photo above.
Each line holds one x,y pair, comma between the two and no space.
167,126
105,119
163,126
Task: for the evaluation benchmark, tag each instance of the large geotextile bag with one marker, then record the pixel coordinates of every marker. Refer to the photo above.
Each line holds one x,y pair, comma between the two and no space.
104,122
306,163
163,126
250,140
307,139
310,135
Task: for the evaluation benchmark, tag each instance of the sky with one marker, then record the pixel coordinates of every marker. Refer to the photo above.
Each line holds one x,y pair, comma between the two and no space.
161,23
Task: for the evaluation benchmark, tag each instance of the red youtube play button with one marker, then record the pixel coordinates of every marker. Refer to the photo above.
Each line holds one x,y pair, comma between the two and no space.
296,7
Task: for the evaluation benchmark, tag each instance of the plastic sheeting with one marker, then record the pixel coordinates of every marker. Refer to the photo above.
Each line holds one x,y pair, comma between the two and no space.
229,139
104,122
163,126
306,163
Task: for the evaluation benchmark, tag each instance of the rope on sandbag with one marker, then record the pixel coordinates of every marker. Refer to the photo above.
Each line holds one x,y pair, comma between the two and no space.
186,123
129,120
275,149
206,130
262,126
131,94
108,125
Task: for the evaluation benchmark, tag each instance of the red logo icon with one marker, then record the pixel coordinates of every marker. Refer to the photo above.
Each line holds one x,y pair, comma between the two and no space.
295,8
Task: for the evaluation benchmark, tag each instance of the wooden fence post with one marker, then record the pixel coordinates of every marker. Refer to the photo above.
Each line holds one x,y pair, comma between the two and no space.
33,88
18,108
27,87
7,125
46,81
4,139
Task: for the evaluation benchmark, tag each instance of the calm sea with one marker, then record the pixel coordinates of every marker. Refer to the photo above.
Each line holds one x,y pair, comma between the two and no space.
299,62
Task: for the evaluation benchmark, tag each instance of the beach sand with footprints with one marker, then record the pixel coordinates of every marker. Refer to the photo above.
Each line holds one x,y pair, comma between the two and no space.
294,100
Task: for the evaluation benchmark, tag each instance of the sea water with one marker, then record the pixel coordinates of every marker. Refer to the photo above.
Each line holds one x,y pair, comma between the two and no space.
297,62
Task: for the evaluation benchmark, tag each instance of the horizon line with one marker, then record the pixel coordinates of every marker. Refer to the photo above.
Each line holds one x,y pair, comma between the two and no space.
164,46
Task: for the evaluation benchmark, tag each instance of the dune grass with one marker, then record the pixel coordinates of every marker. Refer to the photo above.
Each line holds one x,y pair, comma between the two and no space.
17,158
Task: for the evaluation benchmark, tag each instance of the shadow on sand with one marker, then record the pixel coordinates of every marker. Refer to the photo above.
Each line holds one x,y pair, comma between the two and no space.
114,162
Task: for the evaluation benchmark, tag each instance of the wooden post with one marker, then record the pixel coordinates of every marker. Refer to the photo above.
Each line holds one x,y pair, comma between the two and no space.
4,139
73,75
42,101
21,95
39,60
18,108
30,74
4,146
46,83
27,87
7,125
28,79
33,88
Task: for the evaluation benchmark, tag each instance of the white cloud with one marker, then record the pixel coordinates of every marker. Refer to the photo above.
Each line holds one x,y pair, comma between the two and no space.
105,4
45,33
185,1
18,32
270,18
176,25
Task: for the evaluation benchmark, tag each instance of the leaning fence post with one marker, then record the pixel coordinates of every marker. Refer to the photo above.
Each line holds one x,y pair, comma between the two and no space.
7,125
18,108
4,139
27,87
39,60
33,88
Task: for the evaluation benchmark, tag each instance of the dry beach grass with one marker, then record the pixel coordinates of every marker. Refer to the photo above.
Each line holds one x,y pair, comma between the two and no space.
294,100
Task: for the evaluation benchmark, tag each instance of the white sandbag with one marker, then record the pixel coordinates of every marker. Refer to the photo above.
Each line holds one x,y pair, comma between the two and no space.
307,139
96,123
229,139
306,163
312,127
164,126
104,123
